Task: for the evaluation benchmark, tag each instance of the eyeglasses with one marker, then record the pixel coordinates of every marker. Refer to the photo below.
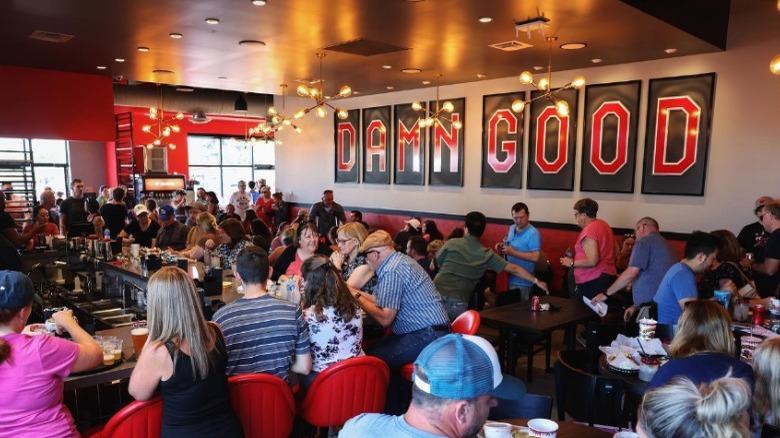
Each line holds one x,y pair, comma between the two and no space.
342,241
629,236
761,215
371,251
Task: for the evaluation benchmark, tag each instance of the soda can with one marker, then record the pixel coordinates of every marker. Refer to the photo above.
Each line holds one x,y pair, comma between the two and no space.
535,304
758,314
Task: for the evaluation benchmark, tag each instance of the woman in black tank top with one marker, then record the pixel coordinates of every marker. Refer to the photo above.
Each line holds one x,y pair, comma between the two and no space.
185,359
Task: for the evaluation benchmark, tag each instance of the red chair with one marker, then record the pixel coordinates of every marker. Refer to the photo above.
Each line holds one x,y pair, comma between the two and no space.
263,404
139,419
466,324
343,390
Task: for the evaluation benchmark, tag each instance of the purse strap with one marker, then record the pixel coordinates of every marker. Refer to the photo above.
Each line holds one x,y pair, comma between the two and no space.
742,273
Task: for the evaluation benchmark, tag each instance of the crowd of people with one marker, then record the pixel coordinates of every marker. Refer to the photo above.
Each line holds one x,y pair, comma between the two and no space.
401,293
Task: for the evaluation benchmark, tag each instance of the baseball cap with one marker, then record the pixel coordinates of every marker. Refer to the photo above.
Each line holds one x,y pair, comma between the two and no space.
761,202
16,290
140,209
415,223
180,192
165,212
199,205
462,367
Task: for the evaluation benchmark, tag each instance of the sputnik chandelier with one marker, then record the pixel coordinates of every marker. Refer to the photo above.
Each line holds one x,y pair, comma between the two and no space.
774,64
322,102
161,127
280,120
544,86
440,113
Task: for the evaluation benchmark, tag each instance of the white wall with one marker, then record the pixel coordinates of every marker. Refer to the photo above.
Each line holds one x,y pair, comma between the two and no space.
743,159
87,162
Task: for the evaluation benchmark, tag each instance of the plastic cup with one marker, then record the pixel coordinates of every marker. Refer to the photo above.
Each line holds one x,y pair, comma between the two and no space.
108,345
117,347
494,429
135,250
748,346
139,333
723,297
542,428
647,328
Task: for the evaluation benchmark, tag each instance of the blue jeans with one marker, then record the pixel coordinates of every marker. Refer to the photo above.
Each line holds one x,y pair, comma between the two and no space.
396,351
453,306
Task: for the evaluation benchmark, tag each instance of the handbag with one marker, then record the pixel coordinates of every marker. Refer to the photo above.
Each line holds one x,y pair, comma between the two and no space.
748,291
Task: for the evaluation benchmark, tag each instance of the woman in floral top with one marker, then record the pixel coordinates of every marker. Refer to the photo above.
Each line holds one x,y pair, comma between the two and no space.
353,265
233,240
335,324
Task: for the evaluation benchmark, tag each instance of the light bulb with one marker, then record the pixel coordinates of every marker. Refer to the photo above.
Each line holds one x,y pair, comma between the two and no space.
417,106
544,84
272,111
302,90
280,128
171,146
457,124
562,108
448,107
343,114
276,119
314,92
299,114
774,64
157,142
518,106
298,130
578,81
321,112
179,116
146,128
175,128
526,77
286,122
345,91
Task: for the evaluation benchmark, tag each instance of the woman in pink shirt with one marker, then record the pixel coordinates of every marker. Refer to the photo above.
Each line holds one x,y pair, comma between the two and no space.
32,368
594,253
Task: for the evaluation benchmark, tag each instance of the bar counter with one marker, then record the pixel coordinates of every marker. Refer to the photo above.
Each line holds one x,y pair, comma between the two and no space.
111,373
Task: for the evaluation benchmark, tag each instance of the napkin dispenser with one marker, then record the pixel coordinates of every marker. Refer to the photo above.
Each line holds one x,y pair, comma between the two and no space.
212,283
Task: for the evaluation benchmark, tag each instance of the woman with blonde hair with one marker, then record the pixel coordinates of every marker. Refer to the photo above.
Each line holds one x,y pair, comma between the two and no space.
703,348
680,409
353,265
333,316
206,228
185,358
766,398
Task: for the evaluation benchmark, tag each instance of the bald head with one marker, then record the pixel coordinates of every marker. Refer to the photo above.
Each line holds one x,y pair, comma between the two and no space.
645,226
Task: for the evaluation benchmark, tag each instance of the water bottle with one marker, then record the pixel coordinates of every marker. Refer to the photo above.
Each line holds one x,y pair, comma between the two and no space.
569,253
291,288
106,234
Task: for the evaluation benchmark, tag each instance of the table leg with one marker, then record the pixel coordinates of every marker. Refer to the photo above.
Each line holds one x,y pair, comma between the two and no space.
511,353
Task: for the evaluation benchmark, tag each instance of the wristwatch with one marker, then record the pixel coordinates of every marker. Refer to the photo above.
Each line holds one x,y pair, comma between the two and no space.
357,295
571,265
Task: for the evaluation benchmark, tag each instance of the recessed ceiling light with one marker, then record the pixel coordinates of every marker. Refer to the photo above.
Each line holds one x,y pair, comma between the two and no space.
426,82
185,89
485,19
142,49
390,87
387,67
573,46
119,59
251,43
101,67
163,71
258,2
481,75
538,68
176,35
212,21
355,92
596,60
670,51
411,70
222,78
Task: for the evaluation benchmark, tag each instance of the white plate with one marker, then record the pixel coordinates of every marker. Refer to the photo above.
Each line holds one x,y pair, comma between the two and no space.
514,428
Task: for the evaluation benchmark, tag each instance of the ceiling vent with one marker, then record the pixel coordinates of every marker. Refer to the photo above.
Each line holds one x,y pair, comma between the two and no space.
364,47
51,37
510,46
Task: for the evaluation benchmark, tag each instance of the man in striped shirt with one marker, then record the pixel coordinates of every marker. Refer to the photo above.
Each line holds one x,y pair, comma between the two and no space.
263,334
406,300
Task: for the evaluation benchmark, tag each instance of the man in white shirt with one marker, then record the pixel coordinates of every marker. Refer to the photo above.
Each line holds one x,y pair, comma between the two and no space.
241,199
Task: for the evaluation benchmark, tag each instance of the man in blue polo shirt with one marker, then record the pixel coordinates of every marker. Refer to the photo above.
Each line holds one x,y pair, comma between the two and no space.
404,299
679,284
522,247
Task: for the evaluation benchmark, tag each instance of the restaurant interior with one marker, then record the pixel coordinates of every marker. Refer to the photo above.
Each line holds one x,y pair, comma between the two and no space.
88,73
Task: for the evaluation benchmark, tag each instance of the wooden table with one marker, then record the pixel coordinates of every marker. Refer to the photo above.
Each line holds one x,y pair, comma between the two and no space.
518,318
568,429
118,372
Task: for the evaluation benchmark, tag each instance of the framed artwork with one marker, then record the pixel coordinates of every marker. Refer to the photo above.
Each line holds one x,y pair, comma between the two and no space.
679,122
502,141
446,146
346,139
610,139
376,134
408,146
551,144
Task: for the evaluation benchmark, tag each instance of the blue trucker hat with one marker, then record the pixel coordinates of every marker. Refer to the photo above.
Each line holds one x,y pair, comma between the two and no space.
463,367
16,290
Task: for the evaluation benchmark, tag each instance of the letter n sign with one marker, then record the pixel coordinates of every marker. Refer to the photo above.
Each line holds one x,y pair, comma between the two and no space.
347,136
679,117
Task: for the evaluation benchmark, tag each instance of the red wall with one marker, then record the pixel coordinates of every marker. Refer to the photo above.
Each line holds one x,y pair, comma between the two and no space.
178,158
54,104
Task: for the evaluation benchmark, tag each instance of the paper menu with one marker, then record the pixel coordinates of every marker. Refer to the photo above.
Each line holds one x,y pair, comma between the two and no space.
599,308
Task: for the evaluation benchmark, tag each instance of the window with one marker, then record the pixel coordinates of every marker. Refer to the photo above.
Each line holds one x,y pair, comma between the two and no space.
50,161
218,163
